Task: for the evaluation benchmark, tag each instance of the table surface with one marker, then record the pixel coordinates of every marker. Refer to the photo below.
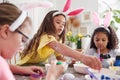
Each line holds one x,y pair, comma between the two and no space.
78,76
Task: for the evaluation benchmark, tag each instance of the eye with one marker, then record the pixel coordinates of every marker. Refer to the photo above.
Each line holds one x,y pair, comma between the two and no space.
24,40
97,39
58,22
103,40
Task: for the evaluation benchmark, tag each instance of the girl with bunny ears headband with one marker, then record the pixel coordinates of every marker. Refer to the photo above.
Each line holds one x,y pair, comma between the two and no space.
104,42
49,41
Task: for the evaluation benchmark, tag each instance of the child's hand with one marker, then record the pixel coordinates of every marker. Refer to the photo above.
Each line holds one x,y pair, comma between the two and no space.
31,70
91,61
56,71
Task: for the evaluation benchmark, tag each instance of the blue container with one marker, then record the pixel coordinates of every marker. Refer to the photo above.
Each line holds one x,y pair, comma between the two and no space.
117,61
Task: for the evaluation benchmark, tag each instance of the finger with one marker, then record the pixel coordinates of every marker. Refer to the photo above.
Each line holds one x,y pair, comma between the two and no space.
37,69
53,62
98,63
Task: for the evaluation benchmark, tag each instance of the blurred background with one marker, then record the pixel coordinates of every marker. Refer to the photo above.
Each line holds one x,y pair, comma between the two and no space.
81,24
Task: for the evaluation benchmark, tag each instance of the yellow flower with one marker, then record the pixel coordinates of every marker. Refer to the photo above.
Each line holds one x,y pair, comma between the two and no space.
80,35
69,33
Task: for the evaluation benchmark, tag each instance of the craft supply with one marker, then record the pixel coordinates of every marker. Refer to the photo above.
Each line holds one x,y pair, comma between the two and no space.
99,54
91,74
59,62
68,76
36,76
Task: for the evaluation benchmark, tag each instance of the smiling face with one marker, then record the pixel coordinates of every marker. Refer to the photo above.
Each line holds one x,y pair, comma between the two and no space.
101,40
59,23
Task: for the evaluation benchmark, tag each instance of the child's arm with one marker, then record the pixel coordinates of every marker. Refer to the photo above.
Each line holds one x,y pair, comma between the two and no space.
91,61
5,72
27,70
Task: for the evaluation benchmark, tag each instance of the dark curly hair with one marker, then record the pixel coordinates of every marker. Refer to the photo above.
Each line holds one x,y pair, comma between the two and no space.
112,37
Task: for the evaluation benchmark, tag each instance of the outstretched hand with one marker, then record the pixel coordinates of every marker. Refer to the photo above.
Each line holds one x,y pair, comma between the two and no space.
91,61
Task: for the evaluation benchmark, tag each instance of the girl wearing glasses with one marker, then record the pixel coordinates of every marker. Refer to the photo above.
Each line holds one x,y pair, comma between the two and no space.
15,27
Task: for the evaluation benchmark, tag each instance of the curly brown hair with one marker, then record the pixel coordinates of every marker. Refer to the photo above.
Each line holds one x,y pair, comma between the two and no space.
112,37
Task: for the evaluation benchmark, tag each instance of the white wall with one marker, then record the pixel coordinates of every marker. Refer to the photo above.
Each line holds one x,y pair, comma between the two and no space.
88,5
38,14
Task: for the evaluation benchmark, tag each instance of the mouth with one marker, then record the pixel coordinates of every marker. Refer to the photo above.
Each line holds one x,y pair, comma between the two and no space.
59,31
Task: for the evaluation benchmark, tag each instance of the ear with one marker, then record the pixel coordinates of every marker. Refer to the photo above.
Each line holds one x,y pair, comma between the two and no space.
107,19
96,18
67,5
4,31
75,12
31,5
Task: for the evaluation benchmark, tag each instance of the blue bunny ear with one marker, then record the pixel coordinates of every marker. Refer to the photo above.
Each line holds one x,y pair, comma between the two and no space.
31,5
75,12
67,5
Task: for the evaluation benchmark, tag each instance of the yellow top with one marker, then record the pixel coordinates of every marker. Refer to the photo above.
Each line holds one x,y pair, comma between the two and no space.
43,51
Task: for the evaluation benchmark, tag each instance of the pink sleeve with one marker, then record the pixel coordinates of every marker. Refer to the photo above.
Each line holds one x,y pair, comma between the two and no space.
5,72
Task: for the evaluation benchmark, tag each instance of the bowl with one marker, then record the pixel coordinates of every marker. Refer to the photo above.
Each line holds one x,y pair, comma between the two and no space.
64,64
80,68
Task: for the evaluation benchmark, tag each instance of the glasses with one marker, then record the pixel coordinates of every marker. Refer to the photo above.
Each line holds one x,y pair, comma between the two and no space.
25,36
22,34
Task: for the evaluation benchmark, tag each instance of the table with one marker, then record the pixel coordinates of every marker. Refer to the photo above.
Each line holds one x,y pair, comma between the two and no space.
69,70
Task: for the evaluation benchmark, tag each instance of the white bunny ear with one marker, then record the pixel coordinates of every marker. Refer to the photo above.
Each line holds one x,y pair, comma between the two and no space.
107,19
96,19
67,5
30,5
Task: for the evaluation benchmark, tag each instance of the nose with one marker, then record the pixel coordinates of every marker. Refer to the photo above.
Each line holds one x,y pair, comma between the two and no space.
21,48
61,25
100,43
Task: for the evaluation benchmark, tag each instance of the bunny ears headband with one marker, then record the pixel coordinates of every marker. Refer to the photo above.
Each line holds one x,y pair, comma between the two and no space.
103,23
23,15
65,9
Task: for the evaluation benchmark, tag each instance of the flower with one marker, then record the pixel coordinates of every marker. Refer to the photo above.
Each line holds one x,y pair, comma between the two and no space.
72,38
80,35
75,38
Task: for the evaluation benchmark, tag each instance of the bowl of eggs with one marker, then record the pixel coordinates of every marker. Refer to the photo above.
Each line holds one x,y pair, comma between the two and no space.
80,68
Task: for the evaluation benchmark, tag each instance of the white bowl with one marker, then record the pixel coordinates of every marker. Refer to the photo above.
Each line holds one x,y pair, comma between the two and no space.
64,64
80,68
